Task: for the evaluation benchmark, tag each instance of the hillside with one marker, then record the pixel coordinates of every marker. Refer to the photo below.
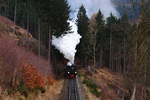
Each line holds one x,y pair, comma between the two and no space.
22,38
126,7
7,27
130,7
19,63
104,84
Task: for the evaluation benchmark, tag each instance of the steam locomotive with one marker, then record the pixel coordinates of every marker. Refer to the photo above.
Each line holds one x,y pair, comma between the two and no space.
70,72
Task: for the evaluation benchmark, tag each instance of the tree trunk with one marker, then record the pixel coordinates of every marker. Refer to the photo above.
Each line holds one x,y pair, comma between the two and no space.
120,60
101,57
8,9
49,46
110,51
39,38
117,67
15,12
142,93
94,58
133,94
135,57
35,27
94,50
28,17
14,78
124,55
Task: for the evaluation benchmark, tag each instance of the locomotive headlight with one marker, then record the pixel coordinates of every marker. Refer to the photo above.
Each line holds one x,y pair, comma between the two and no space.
68,72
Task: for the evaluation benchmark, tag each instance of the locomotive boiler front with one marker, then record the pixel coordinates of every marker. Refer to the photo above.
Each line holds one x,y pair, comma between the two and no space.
70,72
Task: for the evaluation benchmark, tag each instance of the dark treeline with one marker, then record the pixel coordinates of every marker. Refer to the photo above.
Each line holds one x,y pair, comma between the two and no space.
116,43
37,16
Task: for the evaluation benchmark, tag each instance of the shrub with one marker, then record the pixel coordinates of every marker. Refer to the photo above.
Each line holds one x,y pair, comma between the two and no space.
32,77
38,89
11,91
95,92
90,84
50,80
23,89
11,59
93,87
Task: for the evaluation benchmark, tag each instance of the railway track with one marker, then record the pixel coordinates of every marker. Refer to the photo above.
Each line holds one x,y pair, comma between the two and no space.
72,90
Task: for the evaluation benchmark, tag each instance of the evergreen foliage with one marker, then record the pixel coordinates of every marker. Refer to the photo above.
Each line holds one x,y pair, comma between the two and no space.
85,47
52,14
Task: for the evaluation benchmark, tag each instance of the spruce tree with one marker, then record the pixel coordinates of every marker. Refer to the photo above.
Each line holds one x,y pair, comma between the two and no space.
100,37
59,15
110,28
85,47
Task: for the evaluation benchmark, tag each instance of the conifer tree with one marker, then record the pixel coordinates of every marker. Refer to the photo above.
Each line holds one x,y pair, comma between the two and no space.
85,46
110,28
59,16
100,37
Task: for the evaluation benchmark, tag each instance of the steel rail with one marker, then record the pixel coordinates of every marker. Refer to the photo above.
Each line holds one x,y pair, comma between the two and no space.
72,90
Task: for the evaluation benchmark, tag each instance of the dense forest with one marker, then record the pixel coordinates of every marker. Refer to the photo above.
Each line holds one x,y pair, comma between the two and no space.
115,42
120,44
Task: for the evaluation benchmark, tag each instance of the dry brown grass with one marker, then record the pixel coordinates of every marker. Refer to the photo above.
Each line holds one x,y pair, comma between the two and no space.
52,93
110,83
88,94
9,28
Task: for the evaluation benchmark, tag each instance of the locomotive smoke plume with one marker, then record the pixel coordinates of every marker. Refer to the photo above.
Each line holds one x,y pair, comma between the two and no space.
92,6
67,43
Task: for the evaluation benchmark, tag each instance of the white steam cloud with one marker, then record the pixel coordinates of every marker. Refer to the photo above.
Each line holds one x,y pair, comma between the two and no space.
92,6
67,43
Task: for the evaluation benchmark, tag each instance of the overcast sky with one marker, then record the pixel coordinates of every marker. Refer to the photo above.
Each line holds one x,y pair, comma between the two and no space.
92,6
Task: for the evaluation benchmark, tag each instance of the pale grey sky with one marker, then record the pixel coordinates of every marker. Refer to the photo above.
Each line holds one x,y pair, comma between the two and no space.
92,6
